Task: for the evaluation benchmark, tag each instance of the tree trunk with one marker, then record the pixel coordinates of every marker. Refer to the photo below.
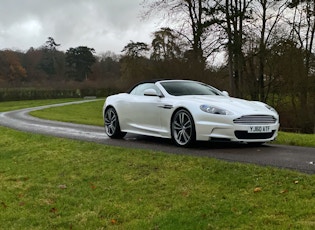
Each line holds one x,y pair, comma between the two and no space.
262,54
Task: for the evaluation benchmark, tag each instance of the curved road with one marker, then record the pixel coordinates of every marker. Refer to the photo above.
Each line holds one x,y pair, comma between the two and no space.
295,158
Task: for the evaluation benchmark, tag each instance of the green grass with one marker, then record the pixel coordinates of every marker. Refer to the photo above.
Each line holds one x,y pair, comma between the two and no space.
14,105
52,183
90,113
298,139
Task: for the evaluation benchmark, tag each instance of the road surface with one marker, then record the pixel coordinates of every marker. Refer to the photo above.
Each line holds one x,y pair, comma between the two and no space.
296,158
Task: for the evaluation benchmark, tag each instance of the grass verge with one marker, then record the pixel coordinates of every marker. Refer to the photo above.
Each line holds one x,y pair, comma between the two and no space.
90,113
52,183
14,105
298,139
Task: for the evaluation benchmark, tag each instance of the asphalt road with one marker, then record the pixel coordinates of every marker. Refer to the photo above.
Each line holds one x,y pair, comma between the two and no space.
296,158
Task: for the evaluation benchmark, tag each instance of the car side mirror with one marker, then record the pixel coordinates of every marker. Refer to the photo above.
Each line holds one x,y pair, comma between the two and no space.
225,93
150,92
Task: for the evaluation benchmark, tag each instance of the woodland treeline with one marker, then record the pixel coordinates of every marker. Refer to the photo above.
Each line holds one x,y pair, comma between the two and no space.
255,49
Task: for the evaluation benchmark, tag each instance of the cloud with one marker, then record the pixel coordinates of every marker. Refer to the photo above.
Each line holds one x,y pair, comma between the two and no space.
102,25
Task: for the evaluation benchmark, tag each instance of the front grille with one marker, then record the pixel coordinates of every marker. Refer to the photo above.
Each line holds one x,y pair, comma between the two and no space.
242,135
255,120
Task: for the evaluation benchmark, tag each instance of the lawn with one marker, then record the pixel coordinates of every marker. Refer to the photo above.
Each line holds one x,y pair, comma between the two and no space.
52,183
90,113
14,105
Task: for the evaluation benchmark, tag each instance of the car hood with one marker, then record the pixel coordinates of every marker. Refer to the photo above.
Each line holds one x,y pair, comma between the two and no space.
235,105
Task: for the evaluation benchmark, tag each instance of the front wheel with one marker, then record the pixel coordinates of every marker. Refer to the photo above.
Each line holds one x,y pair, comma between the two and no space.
183,128
112,127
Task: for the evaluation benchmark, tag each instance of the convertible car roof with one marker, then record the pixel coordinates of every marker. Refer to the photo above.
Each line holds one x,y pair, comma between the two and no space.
146,81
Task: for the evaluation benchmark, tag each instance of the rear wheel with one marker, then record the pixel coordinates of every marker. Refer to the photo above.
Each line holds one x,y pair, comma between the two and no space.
112,127
183,128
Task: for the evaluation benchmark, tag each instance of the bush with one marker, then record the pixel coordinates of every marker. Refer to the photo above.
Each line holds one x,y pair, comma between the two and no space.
18,94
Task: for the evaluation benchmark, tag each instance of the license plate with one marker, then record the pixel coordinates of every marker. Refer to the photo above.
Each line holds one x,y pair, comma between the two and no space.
259,129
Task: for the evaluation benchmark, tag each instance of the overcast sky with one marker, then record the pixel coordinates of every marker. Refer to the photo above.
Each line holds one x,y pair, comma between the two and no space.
105,25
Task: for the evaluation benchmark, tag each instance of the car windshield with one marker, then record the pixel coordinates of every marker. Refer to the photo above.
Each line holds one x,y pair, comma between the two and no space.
182,88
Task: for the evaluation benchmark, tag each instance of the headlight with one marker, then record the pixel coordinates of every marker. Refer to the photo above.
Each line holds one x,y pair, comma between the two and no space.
214,110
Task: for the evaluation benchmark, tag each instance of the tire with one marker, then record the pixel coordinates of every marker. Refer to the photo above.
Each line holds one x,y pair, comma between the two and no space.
183,128
111,122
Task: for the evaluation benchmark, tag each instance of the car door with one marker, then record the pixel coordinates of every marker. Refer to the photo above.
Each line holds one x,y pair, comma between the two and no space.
145,111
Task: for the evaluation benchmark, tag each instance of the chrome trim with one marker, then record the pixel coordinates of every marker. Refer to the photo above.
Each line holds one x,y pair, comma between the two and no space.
255,119
166,106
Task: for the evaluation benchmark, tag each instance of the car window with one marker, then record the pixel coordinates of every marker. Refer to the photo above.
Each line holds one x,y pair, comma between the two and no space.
177,88
139,90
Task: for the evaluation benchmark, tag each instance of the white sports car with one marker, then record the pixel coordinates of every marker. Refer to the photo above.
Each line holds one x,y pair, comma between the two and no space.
188,111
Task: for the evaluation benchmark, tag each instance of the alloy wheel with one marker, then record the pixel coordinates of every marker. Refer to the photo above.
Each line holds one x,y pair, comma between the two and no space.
110,122
183,129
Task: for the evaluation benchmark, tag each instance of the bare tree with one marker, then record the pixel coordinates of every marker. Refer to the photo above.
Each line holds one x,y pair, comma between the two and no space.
303,29
269,13
191,21
232,23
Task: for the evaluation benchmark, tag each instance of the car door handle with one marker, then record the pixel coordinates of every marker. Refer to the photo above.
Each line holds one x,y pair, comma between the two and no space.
166,106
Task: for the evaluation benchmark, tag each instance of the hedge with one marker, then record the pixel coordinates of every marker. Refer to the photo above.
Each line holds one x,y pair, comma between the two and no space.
18,94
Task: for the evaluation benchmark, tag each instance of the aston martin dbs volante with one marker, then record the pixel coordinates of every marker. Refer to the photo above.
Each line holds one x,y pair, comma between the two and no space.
188,111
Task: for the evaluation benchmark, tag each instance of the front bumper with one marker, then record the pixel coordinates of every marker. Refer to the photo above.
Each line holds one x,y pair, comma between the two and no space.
228,131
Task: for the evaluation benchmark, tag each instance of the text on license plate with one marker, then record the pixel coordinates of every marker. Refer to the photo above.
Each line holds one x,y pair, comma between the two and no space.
259,129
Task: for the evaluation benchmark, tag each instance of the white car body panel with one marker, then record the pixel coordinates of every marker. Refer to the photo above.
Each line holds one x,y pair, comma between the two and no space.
152,115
